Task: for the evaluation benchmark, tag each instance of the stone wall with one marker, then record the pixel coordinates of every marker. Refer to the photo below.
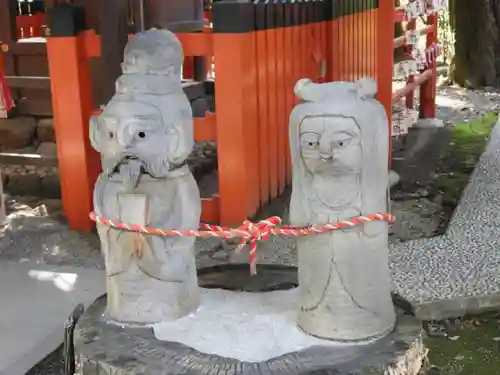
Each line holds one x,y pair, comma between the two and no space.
30,135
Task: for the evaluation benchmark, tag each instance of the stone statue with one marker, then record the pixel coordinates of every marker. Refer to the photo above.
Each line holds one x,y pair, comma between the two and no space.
339,149
144,136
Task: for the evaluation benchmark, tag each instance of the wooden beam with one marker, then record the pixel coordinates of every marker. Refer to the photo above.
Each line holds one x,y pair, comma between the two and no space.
79,164
26,48
8,33
410,87
8,13
205,128
34,106
113,29
28,159
400,41
210,209
28,82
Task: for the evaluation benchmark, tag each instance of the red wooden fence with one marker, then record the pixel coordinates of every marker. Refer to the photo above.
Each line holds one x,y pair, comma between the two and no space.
427,77
256,69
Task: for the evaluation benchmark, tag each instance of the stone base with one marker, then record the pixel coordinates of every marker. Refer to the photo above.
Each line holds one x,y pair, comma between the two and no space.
109,349
425,123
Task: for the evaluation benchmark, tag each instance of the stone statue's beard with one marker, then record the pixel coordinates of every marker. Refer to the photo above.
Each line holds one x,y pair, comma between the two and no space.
157,167
130,172
131,168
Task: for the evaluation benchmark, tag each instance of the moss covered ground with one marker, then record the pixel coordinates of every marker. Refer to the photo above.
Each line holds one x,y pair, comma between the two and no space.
467,143
470,348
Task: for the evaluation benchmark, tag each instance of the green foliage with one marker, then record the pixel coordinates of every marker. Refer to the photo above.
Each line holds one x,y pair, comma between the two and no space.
467,143
468,138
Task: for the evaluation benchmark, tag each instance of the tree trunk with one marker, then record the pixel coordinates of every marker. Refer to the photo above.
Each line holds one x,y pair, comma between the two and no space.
476,42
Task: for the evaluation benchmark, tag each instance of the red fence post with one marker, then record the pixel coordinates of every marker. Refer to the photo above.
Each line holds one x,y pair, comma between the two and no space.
428,88
236,108
6,101
263,102
281,95
385,59
385,54
410,98
272,89
188,67
71,88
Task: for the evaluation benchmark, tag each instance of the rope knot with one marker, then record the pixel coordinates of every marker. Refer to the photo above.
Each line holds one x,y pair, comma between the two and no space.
254,232
250,233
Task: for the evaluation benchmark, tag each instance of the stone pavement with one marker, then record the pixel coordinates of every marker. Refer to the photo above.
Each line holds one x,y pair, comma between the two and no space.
36,301
458,272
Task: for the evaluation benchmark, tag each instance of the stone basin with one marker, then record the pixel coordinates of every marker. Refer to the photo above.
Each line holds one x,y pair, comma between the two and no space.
115,349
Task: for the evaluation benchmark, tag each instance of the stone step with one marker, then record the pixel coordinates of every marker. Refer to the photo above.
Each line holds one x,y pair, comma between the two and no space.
17,133
36,301
45,130
30,180
25,131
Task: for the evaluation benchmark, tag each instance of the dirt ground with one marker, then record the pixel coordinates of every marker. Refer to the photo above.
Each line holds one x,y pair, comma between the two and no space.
434,164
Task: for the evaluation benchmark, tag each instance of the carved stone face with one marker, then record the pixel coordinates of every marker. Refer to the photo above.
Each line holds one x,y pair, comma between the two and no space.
132,138
339,151
330,145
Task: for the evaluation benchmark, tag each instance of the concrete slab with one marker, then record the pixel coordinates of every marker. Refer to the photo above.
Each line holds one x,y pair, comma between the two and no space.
35,302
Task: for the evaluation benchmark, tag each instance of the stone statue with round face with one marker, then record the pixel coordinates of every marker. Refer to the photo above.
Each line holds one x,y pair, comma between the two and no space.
339,148
144,136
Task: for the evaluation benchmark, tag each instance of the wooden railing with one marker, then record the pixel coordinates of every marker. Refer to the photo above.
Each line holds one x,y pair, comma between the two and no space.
426,80
258,61
386,44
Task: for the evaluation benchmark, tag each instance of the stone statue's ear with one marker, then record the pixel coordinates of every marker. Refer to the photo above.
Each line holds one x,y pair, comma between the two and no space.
95,133
180,144
366,88
302,87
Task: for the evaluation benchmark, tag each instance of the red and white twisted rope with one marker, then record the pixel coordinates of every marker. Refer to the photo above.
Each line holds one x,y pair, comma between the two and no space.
250,233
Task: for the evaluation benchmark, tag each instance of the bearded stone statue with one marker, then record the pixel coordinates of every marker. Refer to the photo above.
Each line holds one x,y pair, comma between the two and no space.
144,136
339,151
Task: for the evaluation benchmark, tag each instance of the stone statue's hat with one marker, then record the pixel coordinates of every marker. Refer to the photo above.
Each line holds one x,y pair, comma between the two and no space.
155,52
152,64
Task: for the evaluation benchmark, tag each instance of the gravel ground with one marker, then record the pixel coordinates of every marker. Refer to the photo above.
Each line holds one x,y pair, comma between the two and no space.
36,229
